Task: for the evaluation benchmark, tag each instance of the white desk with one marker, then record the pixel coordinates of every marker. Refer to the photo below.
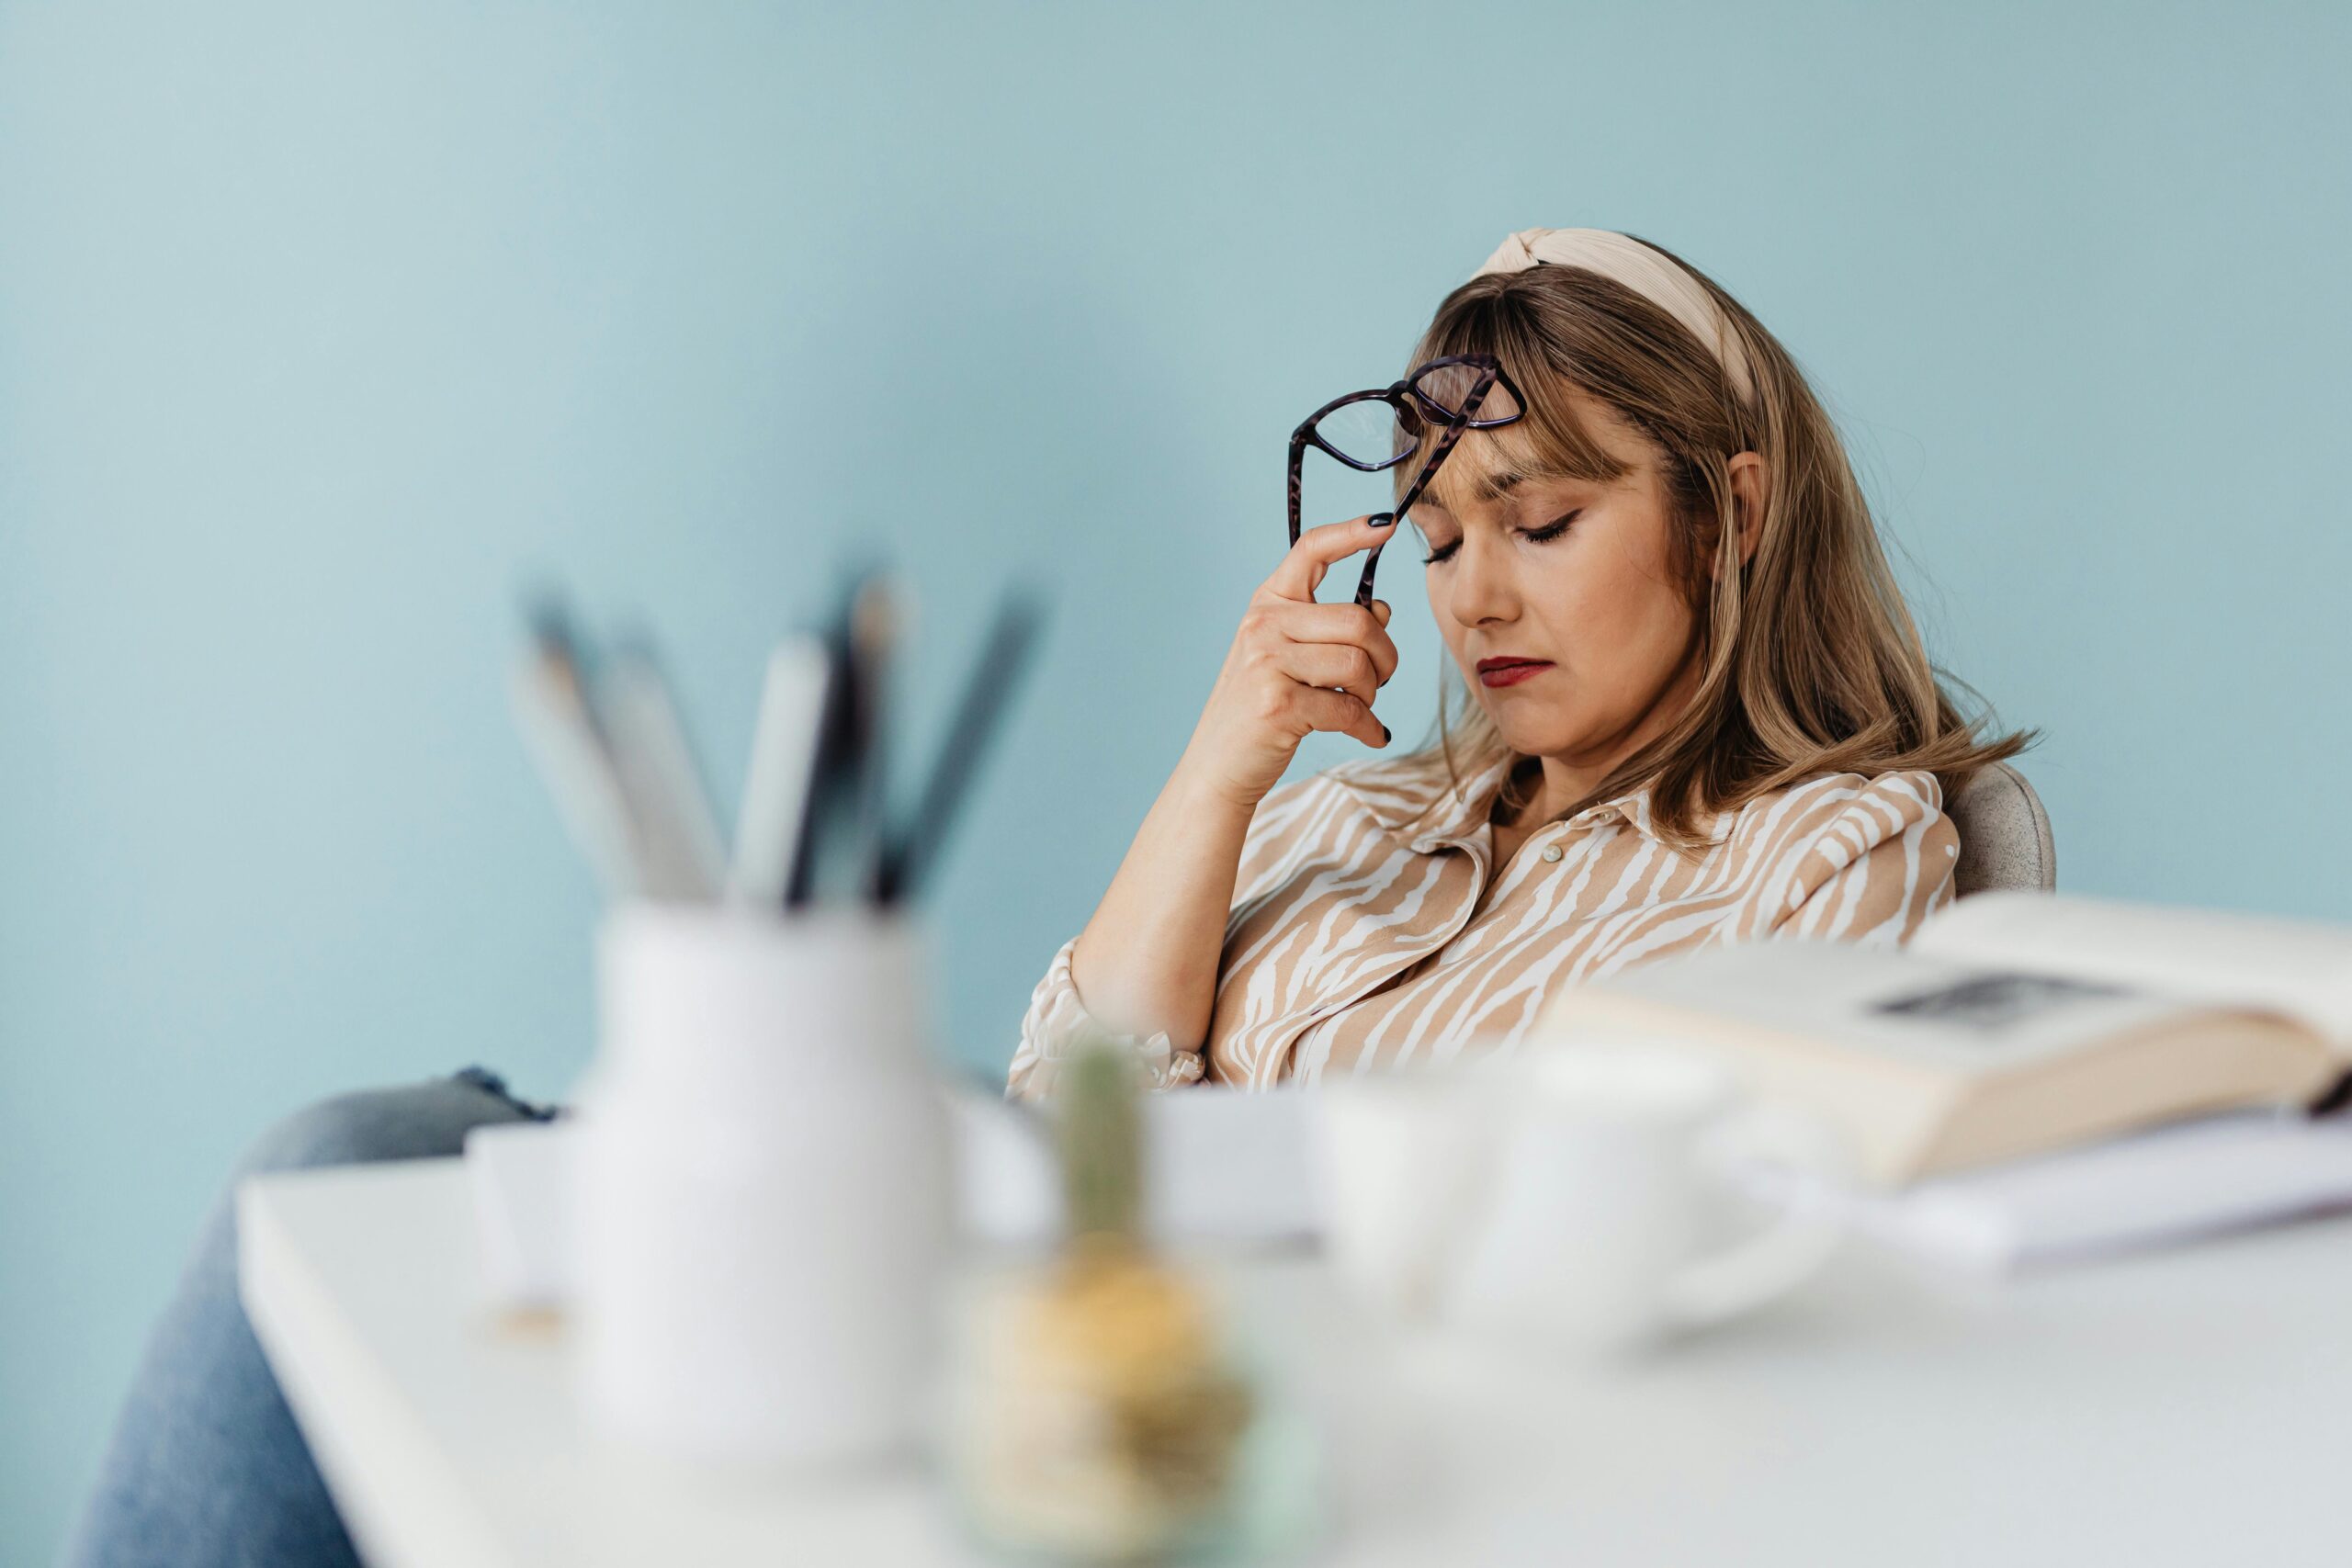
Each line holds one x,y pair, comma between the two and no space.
2190,1408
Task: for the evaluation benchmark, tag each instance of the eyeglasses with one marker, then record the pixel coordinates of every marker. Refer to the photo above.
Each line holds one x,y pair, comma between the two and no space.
1376,430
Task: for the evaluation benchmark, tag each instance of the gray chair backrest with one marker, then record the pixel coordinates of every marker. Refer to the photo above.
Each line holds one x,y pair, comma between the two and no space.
2004,834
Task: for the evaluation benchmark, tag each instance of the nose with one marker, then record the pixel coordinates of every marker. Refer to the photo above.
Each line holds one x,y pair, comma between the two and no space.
1483,591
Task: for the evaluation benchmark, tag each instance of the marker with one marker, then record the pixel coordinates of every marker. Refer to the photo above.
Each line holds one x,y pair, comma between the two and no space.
677,831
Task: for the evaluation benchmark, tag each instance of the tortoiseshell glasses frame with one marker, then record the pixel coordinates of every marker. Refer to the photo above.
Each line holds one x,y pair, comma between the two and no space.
1447,393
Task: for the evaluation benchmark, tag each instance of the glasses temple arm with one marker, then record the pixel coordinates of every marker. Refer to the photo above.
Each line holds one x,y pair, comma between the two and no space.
1445,444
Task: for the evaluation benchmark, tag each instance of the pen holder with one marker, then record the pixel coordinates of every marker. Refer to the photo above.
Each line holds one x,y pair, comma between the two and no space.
763,1203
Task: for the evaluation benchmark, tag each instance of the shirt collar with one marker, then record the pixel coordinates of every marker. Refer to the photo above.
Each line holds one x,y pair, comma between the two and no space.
1414,795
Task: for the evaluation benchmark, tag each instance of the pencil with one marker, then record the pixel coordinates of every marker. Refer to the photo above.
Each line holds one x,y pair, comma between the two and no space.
784,755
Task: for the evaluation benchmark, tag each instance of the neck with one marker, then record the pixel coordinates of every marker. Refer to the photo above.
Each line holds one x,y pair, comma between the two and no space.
1571,778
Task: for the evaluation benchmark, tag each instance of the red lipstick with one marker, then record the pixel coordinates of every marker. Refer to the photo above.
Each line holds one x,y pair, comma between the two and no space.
1509,671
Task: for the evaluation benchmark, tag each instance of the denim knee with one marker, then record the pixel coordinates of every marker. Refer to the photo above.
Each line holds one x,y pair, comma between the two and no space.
419,1120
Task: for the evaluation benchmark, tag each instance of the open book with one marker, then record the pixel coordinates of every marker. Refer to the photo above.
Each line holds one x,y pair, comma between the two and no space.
2013,1024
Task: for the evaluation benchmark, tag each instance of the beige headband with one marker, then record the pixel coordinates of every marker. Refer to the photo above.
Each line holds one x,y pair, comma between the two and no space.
1654,277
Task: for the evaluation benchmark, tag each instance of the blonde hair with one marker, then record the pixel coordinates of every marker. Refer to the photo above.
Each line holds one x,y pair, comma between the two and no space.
1809,661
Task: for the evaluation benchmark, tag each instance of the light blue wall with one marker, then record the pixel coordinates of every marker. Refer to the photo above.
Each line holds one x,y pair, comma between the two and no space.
322,325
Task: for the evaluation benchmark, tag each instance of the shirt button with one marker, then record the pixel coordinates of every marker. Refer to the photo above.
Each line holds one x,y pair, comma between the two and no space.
1551,853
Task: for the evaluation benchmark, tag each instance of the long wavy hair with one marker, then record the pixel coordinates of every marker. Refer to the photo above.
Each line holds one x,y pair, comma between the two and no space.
1809,661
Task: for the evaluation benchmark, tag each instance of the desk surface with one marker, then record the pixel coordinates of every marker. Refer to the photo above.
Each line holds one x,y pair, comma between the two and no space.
2186,1408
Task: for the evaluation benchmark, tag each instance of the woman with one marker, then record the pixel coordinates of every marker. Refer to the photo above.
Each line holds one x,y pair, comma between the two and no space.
1700,714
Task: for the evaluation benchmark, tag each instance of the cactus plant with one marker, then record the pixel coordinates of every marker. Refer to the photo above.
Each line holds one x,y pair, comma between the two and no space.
1101,1136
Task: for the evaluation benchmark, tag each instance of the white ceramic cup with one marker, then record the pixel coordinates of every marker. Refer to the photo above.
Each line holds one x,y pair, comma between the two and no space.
1400,1162
762,1177
1567,1200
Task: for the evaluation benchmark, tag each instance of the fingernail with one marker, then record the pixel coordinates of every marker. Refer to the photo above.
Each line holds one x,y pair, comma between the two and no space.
1378,522
1383,735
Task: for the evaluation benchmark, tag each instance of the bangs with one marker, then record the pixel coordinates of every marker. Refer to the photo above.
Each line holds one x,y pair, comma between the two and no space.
1547,441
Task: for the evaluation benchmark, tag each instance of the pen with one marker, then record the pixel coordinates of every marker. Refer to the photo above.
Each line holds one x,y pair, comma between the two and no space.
979,714
873,631
827,781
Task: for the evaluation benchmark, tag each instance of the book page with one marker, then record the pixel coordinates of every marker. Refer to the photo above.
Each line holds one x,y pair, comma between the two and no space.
2300,968
1948,1015
2162,1187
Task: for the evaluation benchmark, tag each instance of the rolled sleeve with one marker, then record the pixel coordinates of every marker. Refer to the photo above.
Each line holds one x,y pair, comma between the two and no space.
1879,868
1057,1023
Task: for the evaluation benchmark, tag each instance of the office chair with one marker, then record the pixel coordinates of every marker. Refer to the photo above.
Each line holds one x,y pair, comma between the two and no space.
2004,834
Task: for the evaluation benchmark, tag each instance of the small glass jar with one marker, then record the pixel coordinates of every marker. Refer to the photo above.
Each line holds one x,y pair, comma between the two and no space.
1102,1408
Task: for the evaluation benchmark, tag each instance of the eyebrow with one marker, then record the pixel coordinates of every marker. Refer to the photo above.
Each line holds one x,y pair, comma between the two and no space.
1494,487
1483,489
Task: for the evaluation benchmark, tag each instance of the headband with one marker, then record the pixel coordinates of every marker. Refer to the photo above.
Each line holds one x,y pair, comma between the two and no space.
1651,274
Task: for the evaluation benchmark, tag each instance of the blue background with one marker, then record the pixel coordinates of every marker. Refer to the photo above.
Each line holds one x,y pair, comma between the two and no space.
323,326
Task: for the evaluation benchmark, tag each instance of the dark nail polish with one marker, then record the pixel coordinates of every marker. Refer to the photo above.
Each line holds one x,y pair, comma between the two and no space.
1383,735
1379,522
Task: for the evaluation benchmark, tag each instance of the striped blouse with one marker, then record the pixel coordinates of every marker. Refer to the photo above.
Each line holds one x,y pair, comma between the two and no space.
1364,934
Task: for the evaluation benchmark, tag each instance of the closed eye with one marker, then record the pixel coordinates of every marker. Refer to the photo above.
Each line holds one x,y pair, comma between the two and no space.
1544,535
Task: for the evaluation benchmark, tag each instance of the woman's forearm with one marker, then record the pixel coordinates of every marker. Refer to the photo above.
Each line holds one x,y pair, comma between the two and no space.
1148,960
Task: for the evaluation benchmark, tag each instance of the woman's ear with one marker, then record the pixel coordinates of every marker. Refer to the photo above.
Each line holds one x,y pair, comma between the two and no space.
1751,483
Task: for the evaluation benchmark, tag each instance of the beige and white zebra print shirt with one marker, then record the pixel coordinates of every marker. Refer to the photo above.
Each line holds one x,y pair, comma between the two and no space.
1358,936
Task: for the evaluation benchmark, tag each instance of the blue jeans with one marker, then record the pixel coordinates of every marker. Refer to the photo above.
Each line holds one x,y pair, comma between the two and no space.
206,1468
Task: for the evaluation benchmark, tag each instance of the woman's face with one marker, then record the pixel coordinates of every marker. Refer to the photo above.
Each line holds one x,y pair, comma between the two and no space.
1571,580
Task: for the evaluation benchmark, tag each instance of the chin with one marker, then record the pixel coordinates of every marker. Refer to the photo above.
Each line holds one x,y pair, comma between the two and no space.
1546,740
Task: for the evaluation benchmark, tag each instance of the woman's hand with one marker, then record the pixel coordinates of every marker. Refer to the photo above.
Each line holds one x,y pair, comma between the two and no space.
1295,667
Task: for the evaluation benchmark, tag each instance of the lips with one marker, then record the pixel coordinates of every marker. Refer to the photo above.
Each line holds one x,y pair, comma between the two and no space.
1509,671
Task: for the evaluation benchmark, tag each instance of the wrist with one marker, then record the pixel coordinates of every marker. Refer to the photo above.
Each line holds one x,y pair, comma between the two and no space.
1199,784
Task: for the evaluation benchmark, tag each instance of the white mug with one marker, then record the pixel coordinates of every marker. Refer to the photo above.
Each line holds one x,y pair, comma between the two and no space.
1563,1200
